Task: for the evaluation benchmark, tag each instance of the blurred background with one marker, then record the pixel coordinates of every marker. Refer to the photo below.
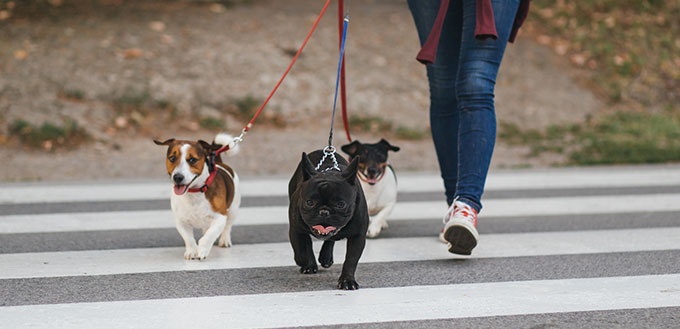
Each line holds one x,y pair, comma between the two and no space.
85,85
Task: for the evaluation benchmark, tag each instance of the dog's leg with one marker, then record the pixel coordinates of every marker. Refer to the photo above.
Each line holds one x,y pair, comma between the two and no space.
206,242
379,221
187,232
225,238
355,247
326,254
304,254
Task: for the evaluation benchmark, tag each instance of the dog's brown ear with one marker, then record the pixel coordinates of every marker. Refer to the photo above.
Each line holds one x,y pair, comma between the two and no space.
307,167
387,144
350,173
351,148
167,142
209,147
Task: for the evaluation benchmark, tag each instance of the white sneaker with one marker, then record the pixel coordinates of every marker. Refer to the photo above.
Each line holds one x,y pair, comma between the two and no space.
460,228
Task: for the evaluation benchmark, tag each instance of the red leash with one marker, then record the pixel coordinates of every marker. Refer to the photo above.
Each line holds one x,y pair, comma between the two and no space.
343,95
213,155
250,123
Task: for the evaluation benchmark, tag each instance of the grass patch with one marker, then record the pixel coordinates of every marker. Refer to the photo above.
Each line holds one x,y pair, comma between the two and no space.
378,125
630,45
48,135
211,123
247,106
617,138
74,94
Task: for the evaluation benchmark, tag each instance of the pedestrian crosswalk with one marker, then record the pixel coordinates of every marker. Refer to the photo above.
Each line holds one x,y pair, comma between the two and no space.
568,247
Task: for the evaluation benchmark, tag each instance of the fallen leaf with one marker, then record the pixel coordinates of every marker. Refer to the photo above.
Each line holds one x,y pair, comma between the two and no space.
579,59
157,26
56,3
217,8
10,5
4,14
618,60
20,54
121,122
132,53
543,39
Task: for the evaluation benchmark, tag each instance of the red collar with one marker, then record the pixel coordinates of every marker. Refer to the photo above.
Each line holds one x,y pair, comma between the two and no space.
205,186
210,159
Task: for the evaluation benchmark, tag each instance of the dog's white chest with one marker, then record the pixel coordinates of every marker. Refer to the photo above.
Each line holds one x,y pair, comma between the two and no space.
380,195
193,209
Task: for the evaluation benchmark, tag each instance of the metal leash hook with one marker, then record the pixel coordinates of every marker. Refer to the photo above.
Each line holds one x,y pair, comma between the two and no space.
328,151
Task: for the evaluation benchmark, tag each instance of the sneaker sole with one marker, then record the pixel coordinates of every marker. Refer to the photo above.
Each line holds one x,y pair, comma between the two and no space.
461,240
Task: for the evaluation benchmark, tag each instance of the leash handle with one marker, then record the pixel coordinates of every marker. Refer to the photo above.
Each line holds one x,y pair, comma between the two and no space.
337,79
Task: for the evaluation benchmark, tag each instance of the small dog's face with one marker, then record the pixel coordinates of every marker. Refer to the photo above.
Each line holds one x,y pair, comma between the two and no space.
373,158
328,199
186,163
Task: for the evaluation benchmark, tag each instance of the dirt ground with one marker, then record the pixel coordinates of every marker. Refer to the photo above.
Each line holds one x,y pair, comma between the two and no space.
90,61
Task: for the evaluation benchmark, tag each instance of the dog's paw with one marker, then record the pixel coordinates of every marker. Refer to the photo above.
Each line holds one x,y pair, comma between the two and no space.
222,243
190,253
326,260
373,231
347,284
202,253
309,269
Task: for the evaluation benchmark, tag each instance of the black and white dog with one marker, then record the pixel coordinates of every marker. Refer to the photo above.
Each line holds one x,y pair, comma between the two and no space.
377,180
330,205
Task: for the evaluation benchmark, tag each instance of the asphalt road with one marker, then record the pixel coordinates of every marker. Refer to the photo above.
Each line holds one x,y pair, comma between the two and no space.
559,248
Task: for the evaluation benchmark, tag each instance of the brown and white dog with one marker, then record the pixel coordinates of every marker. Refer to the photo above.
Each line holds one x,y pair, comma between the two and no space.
197,202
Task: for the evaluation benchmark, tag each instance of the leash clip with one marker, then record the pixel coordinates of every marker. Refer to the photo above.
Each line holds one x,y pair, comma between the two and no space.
328,151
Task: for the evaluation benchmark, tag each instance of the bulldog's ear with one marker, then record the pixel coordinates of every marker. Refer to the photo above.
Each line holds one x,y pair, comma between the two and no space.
387,145
307,167
350,173
167,142
351,148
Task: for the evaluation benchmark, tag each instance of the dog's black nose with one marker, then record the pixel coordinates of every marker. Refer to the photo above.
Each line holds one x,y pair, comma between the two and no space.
324,213
178,178
372,172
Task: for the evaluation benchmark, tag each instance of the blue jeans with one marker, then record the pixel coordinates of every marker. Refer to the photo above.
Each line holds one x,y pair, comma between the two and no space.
462,80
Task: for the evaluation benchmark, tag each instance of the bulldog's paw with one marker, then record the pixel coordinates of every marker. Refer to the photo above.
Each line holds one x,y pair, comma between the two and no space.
326,260
309,269
347,284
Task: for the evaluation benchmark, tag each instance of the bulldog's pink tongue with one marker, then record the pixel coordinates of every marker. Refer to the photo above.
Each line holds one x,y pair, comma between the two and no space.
371,180
323,230
180,189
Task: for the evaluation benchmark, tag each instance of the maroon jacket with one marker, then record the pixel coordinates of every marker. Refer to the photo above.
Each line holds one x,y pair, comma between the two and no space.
486,27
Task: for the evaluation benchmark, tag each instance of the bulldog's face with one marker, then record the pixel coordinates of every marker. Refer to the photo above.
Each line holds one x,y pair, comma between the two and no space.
186,163
373,158
327,199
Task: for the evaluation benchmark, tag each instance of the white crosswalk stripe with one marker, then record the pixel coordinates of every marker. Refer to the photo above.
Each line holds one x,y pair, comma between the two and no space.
411,279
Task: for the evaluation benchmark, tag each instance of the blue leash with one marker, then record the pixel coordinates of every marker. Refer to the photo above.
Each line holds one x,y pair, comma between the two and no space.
337,79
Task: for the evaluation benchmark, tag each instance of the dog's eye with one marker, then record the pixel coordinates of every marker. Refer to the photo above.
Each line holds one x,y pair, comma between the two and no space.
192,161
310,203
341,204
172,158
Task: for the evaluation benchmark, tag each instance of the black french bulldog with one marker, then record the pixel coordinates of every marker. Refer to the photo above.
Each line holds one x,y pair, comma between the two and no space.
330,205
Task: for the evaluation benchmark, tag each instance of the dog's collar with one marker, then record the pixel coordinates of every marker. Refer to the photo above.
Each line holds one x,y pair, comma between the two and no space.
213,172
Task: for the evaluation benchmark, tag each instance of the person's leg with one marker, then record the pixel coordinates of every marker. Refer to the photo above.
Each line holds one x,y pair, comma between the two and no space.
478,67
442,81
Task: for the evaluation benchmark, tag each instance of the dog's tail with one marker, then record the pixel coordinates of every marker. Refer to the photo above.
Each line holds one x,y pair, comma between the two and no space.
224,139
